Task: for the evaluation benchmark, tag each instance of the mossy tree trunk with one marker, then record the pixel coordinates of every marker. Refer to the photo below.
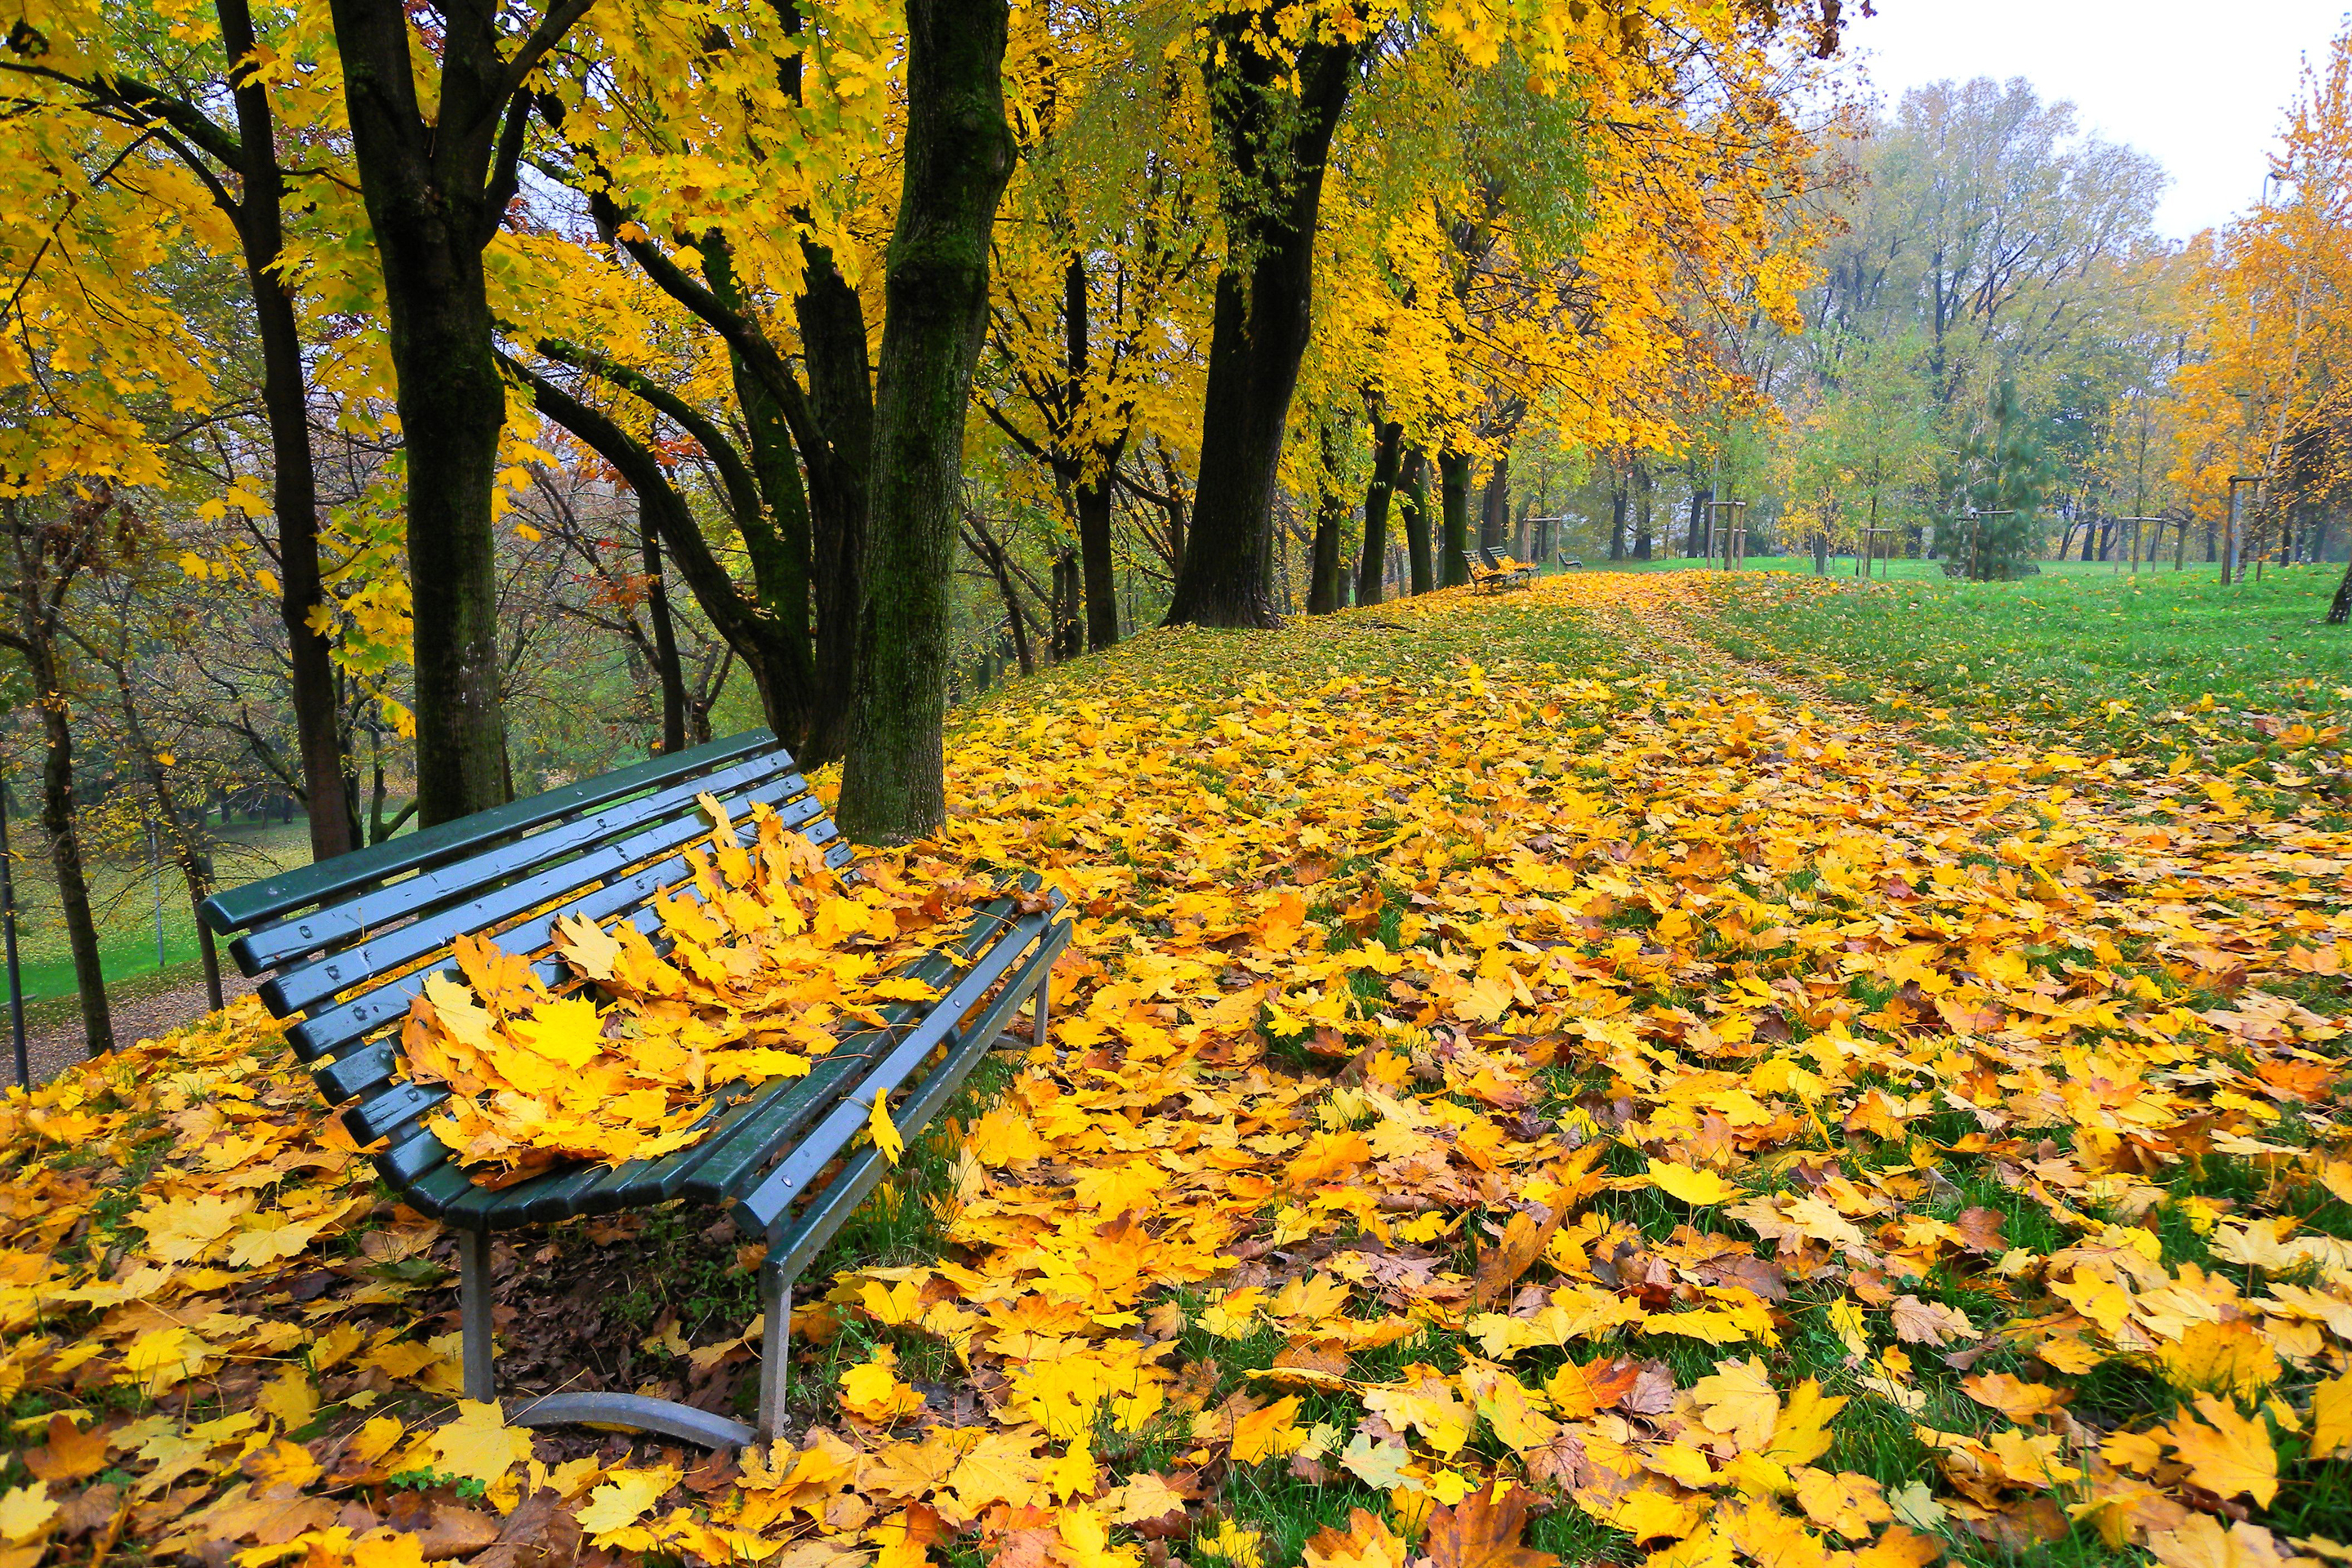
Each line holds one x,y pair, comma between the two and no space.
1388,444
436,189
1420,558
1273,123
959,155
1454,499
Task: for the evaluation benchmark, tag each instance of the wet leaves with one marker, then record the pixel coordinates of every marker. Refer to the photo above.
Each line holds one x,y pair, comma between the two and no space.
1721,1123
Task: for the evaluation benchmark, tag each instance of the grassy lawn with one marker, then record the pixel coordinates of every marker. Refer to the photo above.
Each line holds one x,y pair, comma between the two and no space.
124,893
2171,666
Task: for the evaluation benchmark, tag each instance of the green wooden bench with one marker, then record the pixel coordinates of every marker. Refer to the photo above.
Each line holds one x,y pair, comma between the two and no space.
347,943
1492,572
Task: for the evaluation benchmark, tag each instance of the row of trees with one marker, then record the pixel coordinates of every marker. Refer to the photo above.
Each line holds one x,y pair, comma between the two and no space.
378,367
2001,359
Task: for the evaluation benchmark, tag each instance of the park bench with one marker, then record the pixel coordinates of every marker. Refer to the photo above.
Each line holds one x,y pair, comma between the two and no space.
348,942
1491,572
1568,564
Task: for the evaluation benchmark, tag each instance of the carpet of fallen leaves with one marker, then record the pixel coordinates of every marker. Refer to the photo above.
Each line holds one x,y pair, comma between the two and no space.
1522,1088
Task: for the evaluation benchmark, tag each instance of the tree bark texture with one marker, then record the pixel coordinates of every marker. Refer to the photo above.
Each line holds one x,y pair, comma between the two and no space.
1273,128
665,665
436,191
1453,500
959,155
1388,443
294,489
1495,508
1421,560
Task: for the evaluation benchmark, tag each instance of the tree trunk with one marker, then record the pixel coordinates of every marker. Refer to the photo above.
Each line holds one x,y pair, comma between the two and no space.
1092,502
1453,501
959,154
1642,513
1414,483
63,825
1617,507
1272,139
436,192
2339,609
1388,441
1495,508
832,327
1699,510
294,491
665,665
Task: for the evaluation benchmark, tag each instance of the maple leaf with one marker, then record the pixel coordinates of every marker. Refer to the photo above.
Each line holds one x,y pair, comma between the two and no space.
2227,1453
613,1509
872,1392
1267,1434
884,1132
478,1445
25,1514
1696,1188
1379,1465
1918,1322
1366,1543
72,1455
2331,1418
1738,1401
1483,1530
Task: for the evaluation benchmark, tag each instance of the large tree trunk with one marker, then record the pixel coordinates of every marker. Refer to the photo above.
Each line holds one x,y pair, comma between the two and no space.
1699,510
1324,592
1388,442
832,329
1275,143
1090,498
1617,499
959,154
436,192
2339,609
1453,502
1421,558
1495,508
294,492
1092,502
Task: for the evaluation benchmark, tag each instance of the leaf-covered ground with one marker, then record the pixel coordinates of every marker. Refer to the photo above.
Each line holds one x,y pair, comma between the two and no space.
1522,1086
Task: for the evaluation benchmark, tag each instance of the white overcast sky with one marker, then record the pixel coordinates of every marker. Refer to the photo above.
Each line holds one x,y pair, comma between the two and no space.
2199,86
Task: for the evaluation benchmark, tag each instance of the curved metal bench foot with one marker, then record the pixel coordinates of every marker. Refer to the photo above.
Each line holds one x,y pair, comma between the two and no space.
638,1413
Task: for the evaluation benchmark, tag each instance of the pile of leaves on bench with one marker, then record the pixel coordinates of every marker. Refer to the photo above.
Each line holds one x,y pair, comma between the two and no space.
770,955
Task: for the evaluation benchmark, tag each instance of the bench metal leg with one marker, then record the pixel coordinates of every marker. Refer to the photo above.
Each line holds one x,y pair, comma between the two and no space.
633,1411
1042,999
473,1314
775,1350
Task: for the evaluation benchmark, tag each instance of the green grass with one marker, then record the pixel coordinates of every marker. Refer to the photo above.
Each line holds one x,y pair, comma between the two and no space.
123,895
2175,664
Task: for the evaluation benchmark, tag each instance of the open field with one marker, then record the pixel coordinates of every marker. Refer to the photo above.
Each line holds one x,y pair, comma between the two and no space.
2246,678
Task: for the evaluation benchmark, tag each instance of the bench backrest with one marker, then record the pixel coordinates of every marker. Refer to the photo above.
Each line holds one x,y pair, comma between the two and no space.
348,942
1486,553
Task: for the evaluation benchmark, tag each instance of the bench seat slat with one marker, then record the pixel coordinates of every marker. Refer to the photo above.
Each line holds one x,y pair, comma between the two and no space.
307,985
765,1203
333,1028
278,946
752,1144
793,1245
238,909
